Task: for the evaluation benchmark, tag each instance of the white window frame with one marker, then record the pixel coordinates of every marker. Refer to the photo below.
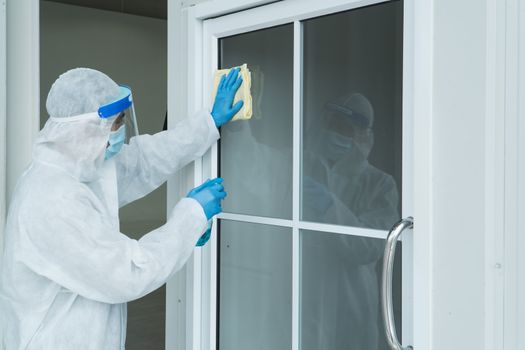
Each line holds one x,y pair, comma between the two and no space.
3,122
418,30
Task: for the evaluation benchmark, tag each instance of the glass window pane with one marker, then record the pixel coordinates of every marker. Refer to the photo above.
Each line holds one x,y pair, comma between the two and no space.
352,93
340,279
255,298
255,155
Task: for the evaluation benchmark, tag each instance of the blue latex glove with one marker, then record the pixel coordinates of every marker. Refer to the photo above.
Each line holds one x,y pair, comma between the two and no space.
316,195
206,236
223,111
209,196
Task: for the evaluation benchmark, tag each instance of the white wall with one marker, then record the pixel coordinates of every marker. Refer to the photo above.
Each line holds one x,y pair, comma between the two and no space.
478,263
22,97
22,86
132,50
520,292
459,182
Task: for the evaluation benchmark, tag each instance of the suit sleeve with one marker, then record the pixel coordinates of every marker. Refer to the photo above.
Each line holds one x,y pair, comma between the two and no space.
149,160
80,251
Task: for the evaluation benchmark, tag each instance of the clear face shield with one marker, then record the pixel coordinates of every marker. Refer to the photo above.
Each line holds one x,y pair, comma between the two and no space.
121,113
348,124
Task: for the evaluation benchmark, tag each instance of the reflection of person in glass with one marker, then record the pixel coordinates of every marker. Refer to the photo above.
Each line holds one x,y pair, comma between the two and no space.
348,190
340,281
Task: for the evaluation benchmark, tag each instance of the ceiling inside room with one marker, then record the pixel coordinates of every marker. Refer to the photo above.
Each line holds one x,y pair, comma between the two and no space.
149,8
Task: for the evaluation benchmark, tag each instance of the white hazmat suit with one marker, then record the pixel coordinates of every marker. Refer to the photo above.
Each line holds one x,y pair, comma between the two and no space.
67,271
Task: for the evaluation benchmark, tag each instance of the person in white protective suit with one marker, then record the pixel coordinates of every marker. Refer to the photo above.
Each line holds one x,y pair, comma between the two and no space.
340,285
348,189
67,271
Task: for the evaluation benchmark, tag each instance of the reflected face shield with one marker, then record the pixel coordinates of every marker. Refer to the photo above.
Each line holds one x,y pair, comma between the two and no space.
353,127
121,112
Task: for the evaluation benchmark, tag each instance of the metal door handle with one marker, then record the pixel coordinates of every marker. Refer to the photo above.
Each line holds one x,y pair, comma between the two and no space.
386,288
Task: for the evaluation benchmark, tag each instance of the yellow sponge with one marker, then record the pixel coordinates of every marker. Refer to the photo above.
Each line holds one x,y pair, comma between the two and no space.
242,94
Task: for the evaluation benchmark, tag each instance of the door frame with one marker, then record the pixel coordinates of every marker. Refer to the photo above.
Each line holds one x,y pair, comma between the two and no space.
3,122
417,77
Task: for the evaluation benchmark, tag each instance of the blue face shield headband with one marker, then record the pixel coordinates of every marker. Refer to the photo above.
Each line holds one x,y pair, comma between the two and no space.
125,123
357,119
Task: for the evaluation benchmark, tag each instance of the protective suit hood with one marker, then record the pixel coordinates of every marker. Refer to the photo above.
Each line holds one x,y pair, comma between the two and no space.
75,137
74,144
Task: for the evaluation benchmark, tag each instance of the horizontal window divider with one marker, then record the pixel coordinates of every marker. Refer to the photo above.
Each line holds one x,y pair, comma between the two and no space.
306,225
255,219
344,230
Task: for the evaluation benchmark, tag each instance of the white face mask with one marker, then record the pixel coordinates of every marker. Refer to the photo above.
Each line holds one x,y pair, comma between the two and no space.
335,146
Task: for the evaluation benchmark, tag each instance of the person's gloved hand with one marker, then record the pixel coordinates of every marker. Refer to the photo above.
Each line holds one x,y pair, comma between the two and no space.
316,196
223,111
209,196
205,237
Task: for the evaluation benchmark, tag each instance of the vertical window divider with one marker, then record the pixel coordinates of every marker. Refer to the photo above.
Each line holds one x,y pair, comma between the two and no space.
296,181
209,168
214,241
194,279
